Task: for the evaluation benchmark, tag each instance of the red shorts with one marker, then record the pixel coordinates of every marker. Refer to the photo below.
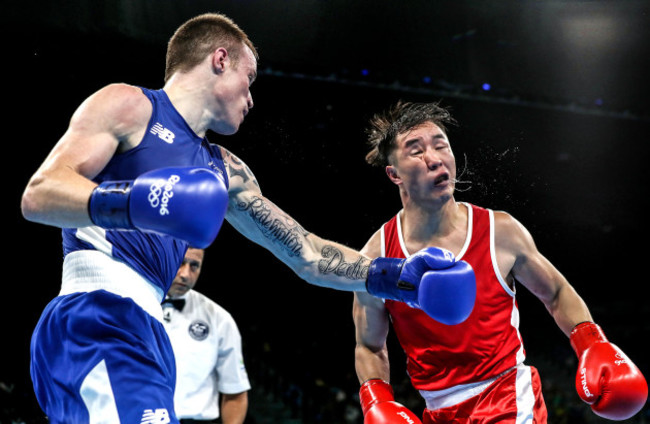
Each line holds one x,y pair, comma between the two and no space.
514,398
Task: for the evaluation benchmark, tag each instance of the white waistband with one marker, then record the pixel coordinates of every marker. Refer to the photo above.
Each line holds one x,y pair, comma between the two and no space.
438,399
90,270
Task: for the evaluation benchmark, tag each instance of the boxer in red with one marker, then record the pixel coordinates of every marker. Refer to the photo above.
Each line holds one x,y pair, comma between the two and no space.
474,371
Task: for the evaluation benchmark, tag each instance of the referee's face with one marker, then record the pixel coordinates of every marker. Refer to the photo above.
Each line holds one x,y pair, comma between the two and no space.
188,273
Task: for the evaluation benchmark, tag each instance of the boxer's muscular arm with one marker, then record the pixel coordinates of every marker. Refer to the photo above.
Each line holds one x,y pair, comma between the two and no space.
606,378
371,328
516,248
316,260
110,119
371,356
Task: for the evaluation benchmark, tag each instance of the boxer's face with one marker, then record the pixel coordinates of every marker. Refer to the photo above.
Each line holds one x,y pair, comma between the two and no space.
232,92
423,164
187,274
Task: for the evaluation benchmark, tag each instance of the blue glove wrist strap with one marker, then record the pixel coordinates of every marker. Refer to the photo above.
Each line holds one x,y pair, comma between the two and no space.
383,275
109,205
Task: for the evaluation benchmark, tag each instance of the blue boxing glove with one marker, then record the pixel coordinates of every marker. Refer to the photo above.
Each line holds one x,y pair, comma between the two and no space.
187,203
431,280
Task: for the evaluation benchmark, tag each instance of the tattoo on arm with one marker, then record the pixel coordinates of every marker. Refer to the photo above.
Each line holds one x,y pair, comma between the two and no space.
280,229
286,232
333,262
238,168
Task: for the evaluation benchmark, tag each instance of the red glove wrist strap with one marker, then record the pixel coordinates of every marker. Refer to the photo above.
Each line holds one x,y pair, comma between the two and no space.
585,335
374,391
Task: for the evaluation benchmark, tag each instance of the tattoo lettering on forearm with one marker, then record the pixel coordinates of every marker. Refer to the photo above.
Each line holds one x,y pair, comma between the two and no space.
281,229
333,262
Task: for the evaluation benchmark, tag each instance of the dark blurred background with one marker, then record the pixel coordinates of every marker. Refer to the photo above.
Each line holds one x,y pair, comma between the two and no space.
552,101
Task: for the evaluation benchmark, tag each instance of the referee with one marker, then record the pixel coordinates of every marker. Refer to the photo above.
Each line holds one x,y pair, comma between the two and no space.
207,347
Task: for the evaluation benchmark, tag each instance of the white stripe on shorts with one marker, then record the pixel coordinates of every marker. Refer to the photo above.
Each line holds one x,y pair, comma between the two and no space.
98,397
525,395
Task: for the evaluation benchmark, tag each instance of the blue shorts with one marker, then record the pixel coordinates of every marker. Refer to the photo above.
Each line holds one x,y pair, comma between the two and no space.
98,357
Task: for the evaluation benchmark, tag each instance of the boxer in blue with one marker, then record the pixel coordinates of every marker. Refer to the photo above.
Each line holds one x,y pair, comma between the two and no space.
132,183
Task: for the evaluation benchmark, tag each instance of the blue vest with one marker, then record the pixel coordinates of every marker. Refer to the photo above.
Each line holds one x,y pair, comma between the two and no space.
168,141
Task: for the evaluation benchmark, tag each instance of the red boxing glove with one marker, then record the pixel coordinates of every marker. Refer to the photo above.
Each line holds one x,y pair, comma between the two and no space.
379,406
606,379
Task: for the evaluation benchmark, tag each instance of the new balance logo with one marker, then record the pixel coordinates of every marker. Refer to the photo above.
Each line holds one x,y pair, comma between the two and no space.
163,133
159,416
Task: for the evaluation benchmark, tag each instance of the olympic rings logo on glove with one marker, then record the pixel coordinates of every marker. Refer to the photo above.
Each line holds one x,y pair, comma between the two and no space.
160,193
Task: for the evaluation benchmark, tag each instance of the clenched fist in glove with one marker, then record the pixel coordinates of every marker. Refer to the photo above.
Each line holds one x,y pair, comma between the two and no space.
379,406
606,379
431,280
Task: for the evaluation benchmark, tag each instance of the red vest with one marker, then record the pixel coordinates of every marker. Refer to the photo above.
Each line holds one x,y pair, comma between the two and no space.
483,346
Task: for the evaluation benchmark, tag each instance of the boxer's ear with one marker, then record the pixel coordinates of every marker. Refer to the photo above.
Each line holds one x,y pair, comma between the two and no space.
392,174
